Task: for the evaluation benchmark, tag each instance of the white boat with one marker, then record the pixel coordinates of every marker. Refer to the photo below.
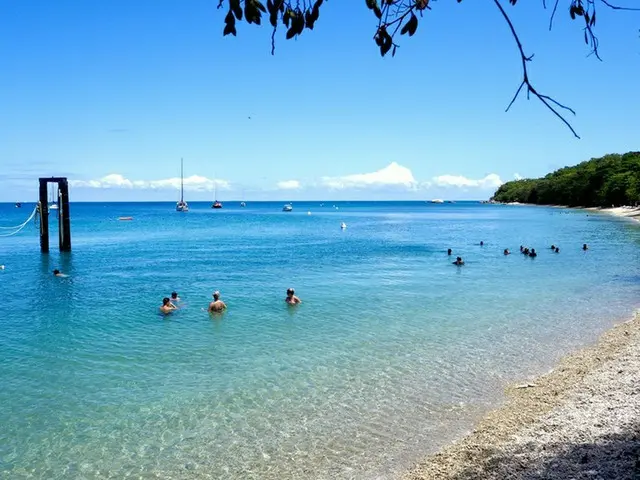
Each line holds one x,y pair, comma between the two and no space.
182,206
287,208
437,200
52,203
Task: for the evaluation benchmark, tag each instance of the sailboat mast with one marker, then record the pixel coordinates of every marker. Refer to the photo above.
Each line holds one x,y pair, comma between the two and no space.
181,181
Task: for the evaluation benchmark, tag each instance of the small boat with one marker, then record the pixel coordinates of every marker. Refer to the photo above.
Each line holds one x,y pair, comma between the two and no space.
437,200
182,206
18,205
216,203
52,203
287,208
125,218
242,204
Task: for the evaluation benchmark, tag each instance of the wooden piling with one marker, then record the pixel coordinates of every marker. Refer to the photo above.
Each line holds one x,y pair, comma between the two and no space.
64,216
43,206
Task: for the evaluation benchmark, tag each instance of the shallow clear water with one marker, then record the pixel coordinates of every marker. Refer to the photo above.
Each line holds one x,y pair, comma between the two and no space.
393,352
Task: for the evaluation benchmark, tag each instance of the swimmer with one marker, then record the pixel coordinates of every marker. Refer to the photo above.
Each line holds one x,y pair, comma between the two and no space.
533,253
553,247
521,249
557,250
217,305
506,251
459,261
291,297
58,273
167,306
175,297
481,243
449,252
584,247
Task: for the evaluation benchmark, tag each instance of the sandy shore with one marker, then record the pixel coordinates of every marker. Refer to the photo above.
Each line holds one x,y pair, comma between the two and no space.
580,421
630,212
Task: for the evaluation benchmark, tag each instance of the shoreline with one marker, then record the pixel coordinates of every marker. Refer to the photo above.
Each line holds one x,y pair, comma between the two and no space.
632,213
580,420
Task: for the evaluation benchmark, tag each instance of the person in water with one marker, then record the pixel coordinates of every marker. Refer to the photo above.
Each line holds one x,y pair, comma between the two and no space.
557,250
217,305
584,247
291,298
58,273
459,261
167,306
175,297
506,251
521,249
533,253
481,243
449,251
553,247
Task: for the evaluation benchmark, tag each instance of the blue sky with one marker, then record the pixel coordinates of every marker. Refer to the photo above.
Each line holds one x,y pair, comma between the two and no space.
113,94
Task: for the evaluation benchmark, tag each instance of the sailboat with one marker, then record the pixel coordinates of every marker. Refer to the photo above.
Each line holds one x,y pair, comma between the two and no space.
52,204
182,206
216,203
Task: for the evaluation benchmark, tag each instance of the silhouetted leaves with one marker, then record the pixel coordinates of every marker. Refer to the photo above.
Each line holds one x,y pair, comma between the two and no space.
411,26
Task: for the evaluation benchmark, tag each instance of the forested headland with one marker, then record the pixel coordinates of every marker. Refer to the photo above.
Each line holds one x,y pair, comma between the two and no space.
612,180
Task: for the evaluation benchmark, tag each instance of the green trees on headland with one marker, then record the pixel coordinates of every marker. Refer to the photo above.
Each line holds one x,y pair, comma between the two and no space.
613,180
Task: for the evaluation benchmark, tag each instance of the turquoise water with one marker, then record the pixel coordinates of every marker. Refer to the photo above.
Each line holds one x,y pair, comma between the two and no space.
393,352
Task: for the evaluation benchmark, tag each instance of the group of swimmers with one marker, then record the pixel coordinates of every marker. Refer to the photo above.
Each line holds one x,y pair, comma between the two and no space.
217,305
524,250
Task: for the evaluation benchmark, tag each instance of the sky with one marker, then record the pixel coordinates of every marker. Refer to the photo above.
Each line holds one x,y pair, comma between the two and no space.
113,94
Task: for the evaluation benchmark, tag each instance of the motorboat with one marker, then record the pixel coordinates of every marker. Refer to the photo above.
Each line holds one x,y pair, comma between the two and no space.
182,206
287,208
437,200
242,204
18,205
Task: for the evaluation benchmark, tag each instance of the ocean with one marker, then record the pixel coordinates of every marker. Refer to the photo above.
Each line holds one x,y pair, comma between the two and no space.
393,352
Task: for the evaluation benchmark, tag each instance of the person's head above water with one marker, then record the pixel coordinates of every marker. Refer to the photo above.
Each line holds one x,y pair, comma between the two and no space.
166,301
449,252
174,295
216,295
290,292
56,272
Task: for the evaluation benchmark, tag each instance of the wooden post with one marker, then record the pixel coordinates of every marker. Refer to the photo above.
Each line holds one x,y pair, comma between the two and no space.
43,205
64,221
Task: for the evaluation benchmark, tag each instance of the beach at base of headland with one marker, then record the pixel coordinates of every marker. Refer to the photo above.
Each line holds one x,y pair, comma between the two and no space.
629,212
579,421
624,211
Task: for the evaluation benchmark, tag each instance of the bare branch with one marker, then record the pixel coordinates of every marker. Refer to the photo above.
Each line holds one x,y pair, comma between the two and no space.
553,14
546,100
616,7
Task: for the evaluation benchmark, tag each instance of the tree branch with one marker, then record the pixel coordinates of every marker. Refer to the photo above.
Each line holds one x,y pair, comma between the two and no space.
615,7
546,100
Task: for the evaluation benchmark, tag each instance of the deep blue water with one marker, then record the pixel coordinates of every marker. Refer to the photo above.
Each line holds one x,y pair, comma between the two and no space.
393,352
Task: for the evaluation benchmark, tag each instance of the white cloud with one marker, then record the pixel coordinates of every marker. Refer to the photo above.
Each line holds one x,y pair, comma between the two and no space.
517,176
391,175
289,185
490,181
116,180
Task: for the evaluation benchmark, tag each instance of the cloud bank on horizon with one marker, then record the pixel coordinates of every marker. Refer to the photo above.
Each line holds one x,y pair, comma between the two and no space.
393,177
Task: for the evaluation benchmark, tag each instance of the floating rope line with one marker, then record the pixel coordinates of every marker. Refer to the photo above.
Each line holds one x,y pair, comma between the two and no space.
19,228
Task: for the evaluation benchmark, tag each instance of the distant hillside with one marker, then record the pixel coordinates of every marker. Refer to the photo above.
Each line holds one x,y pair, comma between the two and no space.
613,180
